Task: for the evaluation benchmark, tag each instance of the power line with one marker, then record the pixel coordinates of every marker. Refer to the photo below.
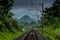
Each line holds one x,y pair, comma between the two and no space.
42,12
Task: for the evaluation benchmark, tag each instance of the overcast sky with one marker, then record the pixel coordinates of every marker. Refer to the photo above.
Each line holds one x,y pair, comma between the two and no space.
24,7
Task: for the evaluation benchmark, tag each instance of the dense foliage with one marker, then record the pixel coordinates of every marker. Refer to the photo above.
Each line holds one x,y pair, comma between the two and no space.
6,20
9,26
52,14
51,21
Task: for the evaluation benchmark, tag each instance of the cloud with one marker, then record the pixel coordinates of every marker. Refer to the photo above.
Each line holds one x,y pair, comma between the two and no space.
24,7
28,3
21,12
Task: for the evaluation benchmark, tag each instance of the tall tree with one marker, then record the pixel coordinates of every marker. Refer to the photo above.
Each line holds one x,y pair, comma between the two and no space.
52,13
5,6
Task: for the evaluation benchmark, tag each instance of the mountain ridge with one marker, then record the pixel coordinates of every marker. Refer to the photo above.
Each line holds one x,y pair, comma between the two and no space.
26,19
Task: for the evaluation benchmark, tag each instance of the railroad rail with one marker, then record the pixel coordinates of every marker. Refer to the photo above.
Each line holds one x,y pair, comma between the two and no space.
32,35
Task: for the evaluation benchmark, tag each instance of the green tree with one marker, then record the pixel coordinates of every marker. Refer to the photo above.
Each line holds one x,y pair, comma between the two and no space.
51,14
5,6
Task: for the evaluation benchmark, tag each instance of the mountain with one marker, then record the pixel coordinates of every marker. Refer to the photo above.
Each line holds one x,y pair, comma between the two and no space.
26,19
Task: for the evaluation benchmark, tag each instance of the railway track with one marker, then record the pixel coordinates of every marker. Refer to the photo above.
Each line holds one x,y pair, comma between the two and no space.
32,35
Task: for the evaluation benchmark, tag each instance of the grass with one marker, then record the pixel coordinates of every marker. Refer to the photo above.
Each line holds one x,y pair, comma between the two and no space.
50,32
10,36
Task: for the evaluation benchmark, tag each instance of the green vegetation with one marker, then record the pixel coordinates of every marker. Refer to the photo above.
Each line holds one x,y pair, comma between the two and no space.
9,35
9,27
50,32
51,21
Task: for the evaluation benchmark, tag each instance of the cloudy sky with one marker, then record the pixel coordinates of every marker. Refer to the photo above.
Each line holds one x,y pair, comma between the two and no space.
25,7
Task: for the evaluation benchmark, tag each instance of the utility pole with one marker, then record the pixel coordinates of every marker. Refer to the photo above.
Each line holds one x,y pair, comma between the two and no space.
42,17
42,5
32,8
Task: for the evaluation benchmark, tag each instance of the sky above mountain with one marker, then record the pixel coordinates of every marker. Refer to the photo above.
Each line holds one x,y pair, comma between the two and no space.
25,7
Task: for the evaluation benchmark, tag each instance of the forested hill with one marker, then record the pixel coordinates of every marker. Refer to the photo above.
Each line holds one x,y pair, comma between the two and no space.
26,19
